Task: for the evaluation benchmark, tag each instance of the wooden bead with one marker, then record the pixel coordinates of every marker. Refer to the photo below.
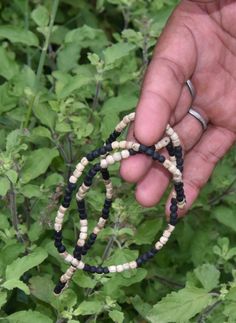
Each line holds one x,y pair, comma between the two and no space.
103,163
75,262
112,269
135,146
73,179
163,240
133,264
115,145
80,265
125,153
122,144
158,245
110,160
57,227
80,167
126,266
84,161
68,258
117,156
119,268
62,209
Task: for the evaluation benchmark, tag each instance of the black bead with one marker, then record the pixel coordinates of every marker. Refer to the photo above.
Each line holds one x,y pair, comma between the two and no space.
143,148
102,151
173,201
65,204
83,216
105,211
93,236
61,249
97,167
105,270
178,155
88,181
150,254
59,287
57,234
86,268
180,168
145,256
71,186
78,248
180,162
89,156
154,250
93,269
173,221
81,205
107,202
180,198
85,250
108,147
67,198
173,208
139,262
95,153
57,243
132,152
149,151
162,159
99,270
105,174
178,149
77,255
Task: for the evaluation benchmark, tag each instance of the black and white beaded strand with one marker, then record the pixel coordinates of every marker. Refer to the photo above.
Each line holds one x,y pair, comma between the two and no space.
128,148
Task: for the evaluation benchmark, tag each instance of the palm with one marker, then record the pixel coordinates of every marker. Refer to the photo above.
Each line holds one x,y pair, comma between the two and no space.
199,42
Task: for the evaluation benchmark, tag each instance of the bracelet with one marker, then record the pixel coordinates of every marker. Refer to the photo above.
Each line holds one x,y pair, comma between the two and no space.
127,148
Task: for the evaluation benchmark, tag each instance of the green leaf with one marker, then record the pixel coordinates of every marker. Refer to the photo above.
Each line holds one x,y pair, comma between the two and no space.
30,191
28,317
71,50
3,298
18,267
116,316
15,283
141,307
40,15
180,307
208,275
147,231
45,114
15,34
7,100
41,132
111,110
53,179
115,52
226,216
42,287
8,66
12,175
4,186
84,280
75,83
37,163
89,308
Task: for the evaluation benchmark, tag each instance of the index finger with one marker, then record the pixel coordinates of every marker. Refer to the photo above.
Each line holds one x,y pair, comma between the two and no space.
173,62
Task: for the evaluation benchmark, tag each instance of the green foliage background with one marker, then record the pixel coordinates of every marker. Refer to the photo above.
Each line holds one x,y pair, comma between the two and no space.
68,72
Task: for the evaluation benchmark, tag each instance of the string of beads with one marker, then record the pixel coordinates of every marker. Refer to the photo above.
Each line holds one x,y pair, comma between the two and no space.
114,151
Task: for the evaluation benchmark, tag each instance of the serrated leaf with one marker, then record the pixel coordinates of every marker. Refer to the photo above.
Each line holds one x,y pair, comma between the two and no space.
8,66
37,163
116,316
141,307
12,175
18,267
180,307
117,51
15,34
208,275
4,186
42,287
89,308
28,317
15,283
40,15
226,216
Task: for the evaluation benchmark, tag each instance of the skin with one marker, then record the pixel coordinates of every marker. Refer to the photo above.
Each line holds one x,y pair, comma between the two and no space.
198,43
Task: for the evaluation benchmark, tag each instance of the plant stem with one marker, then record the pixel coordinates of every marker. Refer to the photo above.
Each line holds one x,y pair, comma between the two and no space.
207,311
27,28
47,39
97,92
13,209
42,59
166,281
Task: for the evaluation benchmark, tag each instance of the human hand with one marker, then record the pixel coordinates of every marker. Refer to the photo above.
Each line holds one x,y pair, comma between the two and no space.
198,43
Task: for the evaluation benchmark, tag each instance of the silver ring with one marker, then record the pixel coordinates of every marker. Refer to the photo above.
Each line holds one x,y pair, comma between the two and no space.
198,116
191,89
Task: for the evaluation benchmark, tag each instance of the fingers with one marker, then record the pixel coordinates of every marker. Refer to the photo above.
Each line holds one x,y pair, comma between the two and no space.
201,160
151,187
173,62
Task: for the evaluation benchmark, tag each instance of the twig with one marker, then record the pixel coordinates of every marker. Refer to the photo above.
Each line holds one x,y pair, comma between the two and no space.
168,282
27,28
13,209
216,199
202,316
97,92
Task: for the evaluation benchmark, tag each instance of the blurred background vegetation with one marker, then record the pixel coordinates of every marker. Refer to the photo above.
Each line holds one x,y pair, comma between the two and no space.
68,71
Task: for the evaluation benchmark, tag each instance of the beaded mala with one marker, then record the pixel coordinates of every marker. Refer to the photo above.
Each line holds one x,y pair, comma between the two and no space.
123,150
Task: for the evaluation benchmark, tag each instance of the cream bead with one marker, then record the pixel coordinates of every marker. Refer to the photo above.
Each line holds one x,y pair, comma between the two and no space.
163,240
72,179
119,268
76,173
60,215
126,119
135,146
68,258
83,236
133,264
110,160
57,227
131,116
81,242
117,156
59,220
84,229
112,269
122,144
166,234
170,228
79,167
96,230
62,209
125,153
126,266
84,161
80,265
115,145
83,223
103,163
158,245
75,262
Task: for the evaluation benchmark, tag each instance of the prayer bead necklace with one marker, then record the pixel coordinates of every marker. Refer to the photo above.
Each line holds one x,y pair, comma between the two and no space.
127,148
